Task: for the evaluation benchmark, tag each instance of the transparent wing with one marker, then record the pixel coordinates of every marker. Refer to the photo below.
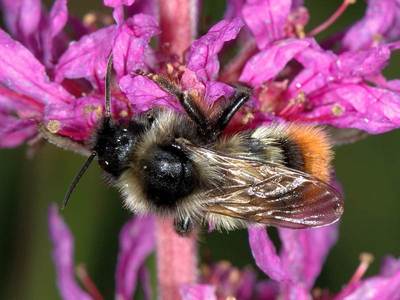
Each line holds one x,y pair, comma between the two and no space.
268,193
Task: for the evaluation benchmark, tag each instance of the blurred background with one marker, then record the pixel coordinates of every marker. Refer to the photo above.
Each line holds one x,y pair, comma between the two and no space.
368,171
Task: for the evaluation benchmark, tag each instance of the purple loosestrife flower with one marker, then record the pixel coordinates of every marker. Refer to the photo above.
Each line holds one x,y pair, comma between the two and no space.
296,271
47,79
136,244
379,25
327,88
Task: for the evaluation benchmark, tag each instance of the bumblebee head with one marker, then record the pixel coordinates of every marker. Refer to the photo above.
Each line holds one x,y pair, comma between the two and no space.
114,143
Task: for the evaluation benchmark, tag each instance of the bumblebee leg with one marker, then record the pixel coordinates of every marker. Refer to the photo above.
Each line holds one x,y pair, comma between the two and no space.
62,142
183,226
242,95
185,99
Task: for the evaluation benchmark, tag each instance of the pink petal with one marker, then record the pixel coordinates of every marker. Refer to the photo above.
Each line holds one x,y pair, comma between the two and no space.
145,94
149,7
295,291
54,25
12,103
267,19
304,252
377,21
377,288
265,255
308,81
63,247
119,15
131,42
22,73
87,58
215,90
266,64
137,241
245,290
30,14
350,105
374,287
362,63
297,3
390,266
10,9
116,3
198,292
322,67
58,17
233,9
145,282
77,120
316,58
14,132
202,57
393,34
267,290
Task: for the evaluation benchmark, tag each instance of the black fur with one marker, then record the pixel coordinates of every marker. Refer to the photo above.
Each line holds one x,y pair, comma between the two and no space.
168,176
256,147
292,153
114,144
183,226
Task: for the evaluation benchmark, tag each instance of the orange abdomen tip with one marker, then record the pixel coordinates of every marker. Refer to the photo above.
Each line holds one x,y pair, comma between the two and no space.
316,149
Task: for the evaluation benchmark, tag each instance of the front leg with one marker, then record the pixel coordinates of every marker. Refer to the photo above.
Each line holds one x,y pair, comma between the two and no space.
186,100
241,96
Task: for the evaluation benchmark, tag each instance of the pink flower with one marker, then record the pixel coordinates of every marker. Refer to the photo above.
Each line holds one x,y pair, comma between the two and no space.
379,25
327,88
296,271
50,78
136,244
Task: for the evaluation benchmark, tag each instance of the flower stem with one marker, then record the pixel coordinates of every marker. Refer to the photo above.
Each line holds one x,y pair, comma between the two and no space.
176,260
332,19
178,21
176,256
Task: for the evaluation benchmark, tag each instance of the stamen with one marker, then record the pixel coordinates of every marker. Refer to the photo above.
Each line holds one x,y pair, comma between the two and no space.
293,104
90,19
338,110
332,19
88,283
365,260
53,126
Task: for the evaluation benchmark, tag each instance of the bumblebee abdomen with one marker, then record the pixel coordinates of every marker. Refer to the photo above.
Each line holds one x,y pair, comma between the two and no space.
315,148
301,147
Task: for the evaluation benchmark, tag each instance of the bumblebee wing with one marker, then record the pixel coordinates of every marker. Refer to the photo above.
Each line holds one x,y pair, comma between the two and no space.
268,193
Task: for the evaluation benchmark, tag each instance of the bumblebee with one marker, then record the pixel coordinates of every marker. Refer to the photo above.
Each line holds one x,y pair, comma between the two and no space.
183,165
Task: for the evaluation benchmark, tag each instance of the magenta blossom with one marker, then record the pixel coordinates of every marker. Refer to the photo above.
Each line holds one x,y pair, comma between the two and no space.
136,244
292,273
52,79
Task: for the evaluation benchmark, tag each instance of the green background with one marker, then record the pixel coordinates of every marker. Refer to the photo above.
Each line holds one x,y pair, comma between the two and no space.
368,171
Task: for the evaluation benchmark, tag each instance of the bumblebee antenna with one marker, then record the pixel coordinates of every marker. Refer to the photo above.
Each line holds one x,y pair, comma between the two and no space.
76,179
107,116
108,88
